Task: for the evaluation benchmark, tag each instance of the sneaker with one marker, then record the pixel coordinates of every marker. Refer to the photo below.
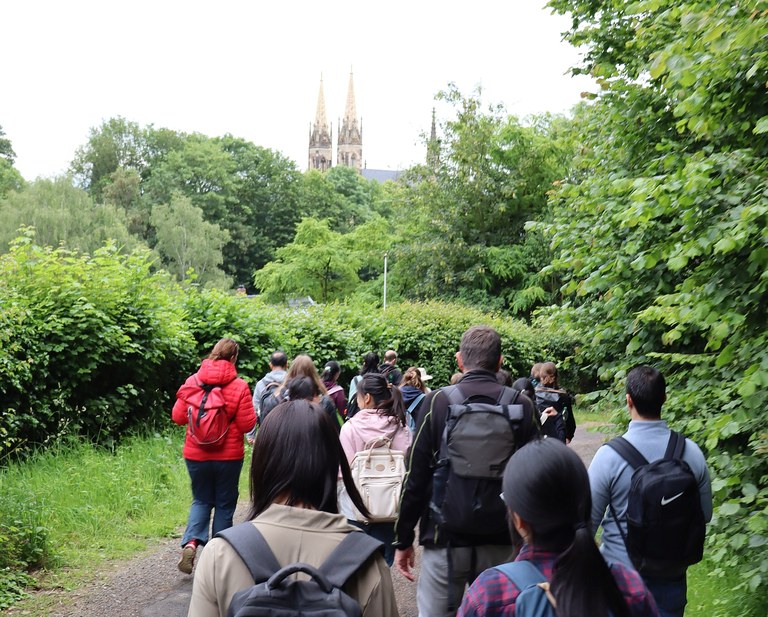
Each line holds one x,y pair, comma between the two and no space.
187,558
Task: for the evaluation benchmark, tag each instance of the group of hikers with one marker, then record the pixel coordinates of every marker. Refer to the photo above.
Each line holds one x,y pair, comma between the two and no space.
506,510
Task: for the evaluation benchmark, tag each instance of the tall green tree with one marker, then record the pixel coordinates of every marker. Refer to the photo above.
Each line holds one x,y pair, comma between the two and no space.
463,223
63,215
187,243
10,178
662,239
117,143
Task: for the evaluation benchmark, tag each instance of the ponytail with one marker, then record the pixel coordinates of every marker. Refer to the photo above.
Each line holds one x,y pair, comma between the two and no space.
582,583
387,399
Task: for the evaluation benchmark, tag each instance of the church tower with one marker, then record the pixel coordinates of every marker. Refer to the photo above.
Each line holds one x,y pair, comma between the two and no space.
320,137
350,142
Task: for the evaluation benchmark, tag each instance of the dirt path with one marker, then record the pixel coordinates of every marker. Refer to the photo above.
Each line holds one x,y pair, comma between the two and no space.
151,586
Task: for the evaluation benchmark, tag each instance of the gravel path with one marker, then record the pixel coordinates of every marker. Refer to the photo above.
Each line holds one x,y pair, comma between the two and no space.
151,586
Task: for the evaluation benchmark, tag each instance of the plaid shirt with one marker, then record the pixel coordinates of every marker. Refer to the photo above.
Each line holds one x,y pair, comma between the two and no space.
494,594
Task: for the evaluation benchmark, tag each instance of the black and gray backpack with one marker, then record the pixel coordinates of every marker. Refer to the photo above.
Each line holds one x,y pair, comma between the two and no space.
479,438
277,593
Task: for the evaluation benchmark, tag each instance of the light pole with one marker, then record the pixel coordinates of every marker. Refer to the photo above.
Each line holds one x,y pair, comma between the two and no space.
385,281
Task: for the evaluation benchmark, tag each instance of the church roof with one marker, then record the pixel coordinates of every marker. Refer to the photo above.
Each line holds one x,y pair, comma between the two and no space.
381,175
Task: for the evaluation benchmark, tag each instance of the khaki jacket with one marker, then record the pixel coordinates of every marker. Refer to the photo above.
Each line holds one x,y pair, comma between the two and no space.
294,535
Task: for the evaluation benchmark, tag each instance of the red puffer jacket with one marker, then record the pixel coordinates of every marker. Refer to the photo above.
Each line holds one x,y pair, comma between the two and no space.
239,406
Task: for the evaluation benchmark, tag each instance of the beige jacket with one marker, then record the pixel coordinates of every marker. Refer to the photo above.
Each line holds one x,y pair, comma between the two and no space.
294,535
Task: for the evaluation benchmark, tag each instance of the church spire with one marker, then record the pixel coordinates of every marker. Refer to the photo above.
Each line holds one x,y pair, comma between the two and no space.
433,145
350,141
320,136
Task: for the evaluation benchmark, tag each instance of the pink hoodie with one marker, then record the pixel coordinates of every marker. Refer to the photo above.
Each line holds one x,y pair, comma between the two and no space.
366,426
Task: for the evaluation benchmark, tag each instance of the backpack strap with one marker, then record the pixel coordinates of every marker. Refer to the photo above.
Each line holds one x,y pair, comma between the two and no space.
253,549
348,557
675,446
415,402
522,573
628,452
455,397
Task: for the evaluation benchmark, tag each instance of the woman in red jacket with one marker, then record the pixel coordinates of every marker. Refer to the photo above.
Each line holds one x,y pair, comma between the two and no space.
214,470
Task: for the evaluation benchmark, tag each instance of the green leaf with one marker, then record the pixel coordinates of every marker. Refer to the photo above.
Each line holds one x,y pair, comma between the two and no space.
761,126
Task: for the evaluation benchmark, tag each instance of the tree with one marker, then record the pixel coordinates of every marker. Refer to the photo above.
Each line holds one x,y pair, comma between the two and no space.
661,241
314,264
463,223
6,149
187,243
117,143
63,215
10,178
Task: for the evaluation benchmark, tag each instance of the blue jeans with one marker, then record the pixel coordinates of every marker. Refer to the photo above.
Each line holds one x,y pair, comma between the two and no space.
670,594
214,487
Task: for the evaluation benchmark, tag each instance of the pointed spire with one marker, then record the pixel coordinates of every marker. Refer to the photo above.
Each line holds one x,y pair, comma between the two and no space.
433,145
320,136
350,113
320,119
350,141
433,132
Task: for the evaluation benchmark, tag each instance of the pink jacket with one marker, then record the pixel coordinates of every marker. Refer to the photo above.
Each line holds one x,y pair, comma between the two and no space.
239,405
367,425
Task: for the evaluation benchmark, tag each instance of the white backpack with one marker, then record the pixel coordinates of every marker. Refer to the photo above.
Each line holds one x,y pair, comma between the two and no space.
378,472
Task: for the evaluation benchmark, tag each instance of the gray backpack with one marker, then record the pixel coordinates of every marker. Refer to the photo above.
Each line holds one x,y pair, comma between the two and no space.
481,434
276,593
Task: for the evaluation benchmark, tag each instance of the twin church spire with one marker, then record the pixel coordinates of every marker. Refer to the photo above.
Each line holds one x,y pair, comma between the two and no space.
349,150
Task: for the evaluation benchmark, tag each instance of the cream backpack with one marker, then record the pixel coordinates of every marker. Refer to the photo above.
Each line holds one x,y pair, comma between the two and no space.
378,472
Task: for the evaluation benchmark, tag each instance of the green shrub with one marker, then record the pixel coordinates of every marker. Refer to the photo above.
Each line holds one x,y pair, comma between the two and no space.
89,345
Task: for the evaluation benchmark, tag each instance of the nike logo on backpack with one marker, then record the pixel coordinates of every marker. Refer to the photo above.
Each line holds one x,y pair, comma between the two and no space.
665,500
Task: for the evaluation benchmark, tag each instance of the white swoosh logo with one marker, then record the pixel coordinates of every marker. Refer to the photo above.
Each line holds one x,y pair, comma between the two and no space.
665,501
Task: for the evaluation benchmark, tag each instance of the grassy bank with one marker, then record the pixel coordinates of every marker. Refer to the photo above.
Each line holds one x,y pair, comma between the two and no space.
68,510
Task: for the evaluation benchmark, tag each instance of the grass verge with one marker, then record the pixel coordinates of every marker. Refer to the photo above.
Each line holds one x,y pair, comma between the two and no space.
83,506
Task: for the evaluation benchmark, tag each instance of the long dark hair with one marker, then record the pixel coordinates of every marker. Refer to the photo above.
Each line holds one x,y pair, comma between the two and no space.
387,399
546,485
370,363
296,460
331,371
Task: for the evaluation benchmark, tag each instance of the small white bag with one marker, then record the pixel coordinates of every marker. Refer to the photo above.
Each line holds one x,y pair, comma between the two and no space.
378,472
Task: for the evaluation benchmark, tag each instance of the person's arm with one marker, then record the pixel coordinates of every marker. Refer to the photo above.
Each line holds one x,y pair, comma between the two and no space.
245,415
600,476
570,420
705,484
204,601
382,602
416,488
179,413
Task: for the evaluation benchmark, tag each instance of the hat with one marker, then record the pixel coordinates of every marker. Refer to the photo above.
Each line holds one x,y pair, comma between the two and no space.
424,375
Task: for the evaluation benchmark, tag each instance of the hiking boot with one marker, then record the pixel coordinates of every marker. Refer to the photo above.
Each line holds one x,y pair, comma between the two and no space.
187,558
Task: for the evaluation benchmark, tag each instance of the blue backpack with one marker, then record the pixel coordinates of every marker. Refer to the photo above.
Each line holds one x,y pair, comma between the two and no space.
534,600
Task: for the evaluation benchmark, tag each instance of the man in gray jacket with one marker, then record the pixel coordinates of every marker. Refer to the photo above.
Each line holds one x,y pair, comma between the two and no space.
278,365
610,476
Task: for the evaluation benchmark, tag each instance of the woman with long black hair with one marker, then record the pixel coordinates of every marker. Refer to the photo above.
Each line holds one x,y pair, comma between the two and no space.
294,470
546,489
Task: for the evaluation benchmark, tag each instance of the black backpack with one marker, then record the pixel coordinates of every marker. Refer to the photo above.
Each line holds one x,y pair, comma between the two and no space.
276,593
478,440
665,522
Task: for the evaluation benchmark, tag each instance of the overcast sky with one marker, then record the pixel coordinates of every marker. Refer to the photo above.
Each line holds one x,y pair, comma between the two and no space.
252,68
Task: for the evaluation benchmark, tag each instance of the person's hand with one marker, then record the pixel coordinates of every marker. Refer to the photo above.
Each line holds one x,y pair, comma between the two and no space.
405,560
550,411
567,442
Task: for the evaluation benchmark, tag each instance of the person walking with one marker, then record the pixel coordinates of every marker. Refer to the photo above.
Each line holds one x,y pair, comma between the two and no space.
293,478
453,558
278,365
546,490
611,476
214,470
381,419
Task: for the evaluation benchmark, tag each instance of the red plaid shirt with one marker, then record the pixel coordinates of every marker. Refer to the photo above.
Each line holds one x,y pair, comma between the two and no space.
494,594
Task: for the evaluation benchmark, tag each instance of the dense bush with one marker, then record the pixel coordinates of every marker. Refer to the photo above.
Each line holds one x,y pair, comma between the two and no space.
92,345
424,334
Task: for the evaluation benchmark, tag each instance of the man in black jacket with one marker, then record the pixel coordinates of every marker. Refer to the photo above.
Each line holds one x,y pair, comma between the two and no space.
452,559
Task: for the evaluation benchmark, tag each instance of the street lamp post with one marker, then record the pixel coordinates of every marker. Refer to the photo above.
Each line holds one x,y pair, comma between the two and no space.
385,281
